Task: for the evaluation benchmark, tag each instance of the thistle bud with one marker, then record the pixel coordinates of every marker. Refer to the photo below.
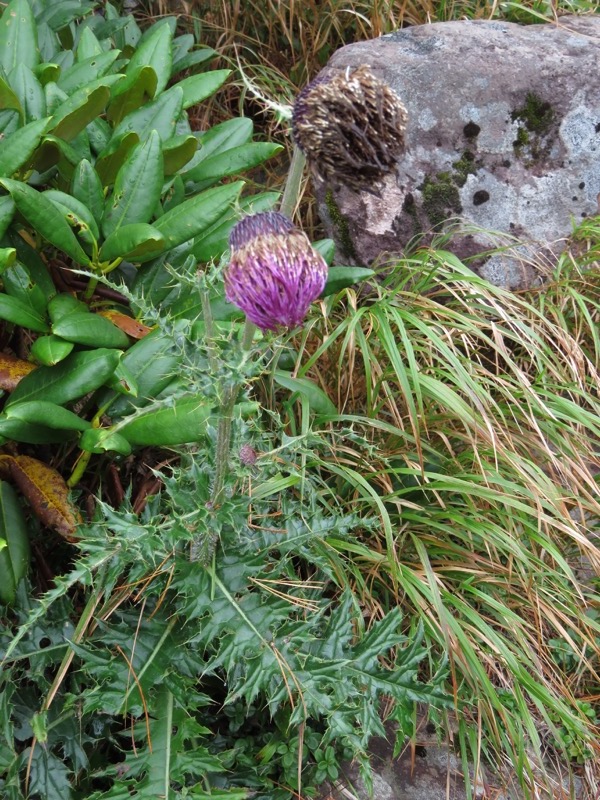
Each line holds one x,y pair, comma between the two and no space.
274,273
350,126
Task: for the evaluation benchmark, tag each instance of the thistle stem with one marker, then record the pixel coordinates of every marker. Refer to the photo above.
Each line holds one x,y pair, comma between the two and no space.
292,186
223,444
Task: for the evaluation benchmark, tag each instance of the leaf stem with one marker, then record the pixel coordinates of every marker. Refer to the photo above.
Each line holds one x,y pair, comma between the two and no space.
291,192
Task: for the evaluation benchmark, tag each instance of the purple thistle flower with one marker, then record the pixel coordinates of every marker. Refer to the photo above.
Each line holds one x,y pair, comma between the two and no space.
274,273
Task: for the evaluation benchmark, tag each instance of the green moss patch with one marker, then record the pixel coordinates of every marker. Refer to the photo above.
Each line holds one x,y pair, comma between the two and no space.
340,223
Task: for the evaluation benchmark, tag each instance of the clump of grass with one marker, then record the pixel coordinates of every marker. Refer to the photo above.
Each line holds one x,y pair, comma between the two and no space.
470,425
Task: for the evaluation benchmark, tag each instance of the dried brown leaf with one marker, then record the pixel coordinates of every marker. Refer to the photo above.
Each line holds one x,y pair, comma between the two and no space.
12,369
128,325
48,494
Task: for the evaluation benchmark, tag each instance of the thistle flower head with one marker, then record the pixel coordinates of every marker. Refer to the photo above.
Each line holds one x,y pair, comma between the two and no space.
274,273
350,126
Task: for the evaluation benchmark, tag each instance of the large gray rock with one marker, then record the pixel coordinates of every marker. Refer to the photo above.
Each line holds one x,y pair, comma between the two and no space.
503,132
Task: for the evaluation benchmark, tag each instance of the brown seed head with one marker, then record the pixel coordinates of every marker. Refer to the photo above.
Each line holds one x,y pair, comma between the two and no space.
350,126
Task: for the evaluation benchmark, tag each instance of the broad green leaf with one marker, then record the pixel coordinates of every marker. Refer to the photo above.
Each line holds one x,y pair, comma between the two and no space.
160,115
90,330
79,217
14,557
99,133
32,433
73,378
18,148
59,15
51,415
29,91
154,51
318,401
56,152
197,88
136,242
101,440
224,136
152,362
182,422
232,161
215,241
8,256
45,218
84,72
18,37
134,91
82,107
178,151
182,44
137,186
111,160
190,60
87,188
195,215
36,267
88,45
64,304
55,97
7,210
326,247
21,284
50,350
19,313
9,121
339,278
47,73
9,100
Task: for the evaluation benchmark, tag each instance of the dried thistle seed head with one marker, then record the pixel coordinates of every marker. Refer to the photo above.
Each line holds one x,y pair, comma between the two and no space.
274,273
350,126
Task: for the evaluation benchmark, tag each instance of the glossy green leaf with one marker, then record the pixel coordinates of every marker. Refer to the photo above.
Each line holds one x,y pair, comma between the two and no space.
178,151
339,278
9,100
64,304
55,152
59,15
195,215
50,350
19,313
182,422
318,401
88,45
7,210
215,241
224,136
111,160
154,51
14,556
31,433
100,440
45,218
160,115
29,91
197,88
47,73
90,330
36,267
21,284
192,59
55,97
84,72
79,217
99,133
73,378
326,247
87,188
134,91
18,148
82,107
137,186
8,256
232,161
47,414
18,36
151,362
137,242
